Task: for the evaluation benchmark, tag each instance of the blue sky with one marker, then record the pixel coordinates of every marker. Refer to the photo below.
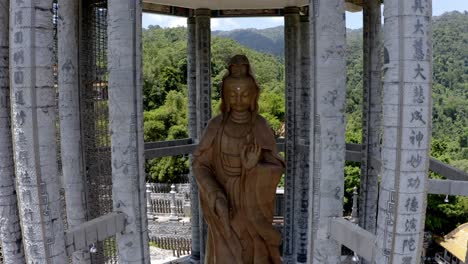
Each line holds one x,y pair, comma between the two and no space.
353,20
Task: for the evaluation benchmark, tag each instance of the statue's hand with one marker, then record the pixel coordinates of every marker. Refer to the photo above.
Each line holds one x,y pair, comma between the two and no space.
222,210
250,155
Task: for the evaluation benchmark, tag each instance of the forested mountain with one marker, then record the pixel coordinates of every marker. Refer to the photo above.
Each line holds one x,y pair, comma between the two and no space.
270,40
165,97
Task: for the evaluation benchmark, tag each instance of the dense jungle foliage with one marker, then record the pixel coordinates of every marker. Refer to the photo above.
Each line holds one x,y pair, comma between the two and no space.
165,98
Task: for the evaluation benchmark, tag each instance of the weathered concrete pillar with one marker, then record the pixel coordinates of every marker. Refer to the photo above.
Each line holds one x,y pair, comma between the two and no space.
327,150
301,181
203,90
192,123
70,118
34,124
292,68
371,115
10,230
126,126
203,67
406,130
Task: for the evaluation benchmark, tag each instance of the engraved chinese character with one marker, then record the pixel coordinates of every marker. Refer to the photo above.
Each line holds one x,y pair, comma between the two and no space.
419,72
19,77
418,95
416,137
407,260
331,97
413,182
35,250
4,101
18,17
23,157
18,57
31,233
418,49
18,37
418,27
27,196
415,161
28,214
21,118
410,244
410,225
19,98
418,6
417,116
412,204
21,137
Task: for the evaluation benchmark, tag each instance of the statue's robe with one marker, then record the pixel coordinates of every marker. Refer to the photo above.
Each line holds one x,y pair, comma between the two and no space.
251,198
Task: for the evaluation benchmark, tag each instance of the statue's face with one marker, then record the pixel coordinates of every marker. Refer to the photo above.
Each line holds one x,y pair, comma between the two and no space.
239,93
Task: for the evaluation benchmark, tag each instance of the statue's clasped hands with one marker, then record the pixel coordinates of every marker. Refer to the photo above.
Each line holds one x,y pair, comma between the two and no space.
250,155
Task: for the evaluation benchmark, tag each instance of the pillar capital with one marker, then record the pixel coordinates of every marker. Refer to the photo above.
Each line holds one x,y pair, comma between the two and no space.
203,12
291,10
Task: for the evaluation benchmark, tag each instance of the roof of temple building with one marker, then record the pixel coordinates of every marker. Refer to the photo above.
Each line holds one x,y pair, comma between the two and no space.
456,242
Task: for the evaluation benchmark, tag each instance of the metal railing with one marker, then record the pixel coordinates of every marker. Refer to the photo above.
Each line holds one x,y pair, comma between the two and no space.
439,258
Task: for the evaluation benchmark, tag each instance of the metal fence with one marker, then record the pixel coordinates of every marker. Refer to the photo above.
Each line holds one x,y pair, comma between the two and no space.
179,246
166,187
163,207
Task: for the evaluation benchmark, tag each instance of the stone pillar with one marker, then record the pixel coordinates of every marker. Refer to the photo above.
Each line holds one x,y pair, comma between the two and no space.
10,230
203,92
371,115
149,206
192,123
406,130
327,151
173,216
292,78
301,190
126,126
70,118
34,126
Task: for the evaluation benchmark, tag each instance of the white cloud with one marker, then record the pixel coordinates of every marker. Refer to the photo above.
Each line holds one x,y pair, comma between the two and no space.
216,23
163,20
224,24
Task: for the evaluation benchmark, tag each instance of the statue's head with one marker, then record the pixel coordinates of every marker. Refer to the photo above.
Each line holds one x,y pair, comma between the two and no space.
239,91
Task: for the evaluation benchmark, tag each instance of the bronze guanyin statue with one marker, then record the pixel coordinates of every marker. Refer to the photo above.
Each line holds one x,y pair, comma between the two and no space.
237,168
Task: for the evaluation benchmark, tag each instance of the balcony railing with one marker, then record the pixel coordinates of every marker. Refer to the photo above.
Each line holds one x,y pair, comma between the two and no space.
439,258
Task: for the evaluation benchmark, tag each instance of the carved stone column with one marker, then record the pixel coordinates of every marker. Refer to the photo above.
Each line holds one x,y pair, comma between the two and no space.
327,149
371,116
126,126
70,118
10,230
34,126
192,123
406,130
203,91
302,104
292,68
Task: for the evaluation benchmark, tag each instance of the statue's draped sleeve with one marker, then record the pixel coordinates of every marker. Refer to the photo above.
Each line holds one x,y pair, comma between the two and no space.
203,166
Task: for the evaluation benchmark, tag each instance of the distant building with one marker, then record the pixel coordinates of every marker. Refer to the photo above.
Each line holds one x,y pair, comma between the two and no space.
455,246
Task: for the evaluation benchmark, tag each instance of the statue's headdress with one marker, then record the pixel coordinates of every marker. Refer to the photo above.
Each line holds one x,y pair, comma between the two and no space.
240,60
